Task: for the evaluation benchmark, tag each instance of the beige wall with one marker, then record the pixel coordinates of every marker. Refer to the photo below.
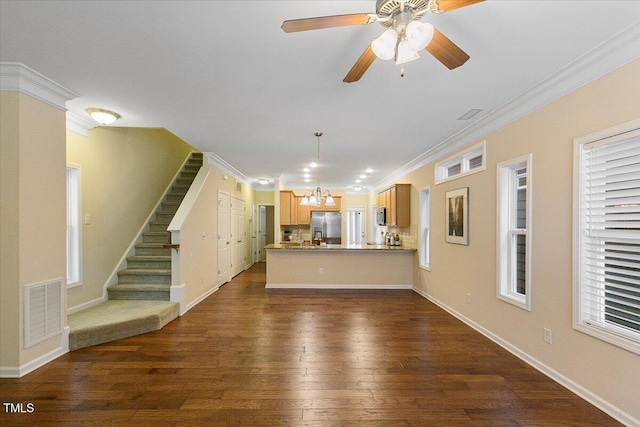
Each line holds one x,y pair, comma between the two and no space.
605,370
124,172
33,215
199,256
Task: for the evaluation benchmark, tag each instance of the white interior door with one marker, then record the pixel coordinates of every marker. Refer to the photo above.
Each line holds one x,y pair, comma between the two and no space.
262,233
238,237
355,226
223,238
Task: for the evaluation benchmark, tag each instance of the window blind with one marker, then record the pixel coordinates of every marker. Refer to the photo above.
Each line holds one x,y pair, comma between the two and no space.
610,230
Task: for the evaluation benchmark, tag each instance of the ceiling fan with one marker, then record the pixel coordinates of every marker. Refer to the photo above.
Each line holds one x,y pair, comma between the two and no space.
405,35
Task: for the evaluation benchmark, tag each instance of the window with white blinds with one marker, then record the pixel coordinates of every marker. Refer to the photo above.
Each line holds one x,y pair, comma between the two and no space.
607,236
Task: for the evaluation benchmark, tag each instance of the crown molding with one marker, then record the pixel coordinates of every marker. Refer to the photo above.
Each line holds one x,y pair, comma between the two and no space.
608,56
79,125
17,77
220,163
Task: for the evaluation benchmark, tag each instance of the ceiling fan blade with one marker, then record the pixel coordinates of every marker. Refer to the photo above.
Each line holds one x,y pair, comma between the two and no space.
448,5
306,24
361,66
446,51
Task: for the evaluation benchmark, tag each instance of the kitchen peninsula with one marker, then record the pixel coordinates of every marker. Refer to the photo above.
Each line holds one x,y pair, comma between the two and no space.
339,266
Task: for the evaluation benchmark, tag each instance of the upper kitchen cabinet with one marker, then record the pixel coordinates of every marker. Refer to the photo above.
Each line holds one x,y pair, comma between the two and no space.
288,208
323,207
293,213
397,202
304,212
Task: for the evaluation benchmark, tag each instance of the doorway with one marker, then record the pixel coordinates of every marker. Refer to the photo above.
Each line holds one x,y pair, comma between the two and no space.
355,226
265,229
223,238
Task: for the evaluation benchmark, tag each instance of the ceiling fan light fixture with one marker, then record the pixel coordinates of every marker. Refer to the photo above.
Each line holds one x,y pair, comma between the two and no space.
419,35
405,53
384,46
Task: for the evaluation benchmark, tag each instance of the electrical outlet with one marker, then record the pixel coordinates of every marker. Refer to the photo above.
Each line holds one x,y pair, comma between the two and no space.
468,298
321,270
547,336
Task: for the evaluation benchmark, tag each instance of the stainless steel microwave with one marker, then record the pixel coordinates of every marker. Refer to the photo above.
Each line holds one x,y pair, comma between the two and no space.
381,216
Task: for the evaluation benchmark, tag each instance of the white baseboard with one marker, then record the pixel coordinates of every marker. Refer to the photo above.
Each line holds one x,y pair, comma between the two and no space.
334,286
19,372
566,382
199,299
86,305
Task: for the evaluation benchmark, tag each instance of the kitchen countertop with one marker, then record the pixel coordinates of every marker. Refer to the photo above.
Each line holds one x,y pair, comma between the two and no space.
344,247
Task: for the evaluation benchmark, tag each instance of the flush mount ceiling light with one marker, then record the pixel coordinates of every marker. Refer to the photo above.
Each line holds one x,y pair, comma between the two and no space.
104,117
317,195
263,181
405,37
357,187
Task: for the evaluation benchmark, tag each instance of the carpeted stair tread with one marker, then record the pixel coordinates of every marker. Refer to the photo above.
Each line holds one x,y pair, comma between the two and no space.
149,258
117,319
150,245
146,271
131,287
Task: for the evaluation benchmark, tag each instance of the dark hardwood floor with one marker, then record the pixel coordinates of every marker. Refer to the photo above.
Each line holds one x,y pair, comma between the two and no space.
247,356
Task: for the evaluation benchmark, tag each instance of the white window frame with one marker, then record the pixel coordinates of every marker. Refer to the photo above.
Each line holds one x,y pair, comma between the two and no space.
425,228
507,232
462,159
74,227
583,321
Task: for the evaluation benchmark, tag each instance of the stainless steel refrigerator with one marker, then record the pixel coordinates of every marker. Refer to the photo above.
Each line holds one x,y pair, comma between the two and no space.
327,226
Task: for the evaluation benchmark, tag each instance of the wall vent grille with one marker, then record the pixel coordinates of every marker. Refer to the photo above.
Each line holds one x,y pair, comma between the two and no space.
42,311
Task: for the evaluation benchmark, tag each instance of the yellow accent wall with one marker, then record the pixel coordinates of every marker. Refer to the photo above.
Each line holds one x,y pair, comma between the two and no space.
124,173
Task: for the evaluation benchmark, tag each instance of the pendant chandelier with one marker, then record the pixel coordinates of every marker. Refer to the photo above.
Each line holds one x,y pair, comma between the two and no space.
317,195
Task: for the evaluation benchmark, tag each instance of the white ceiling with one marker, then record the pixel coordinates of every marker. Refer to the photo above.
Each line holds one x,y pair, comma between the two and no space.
225,78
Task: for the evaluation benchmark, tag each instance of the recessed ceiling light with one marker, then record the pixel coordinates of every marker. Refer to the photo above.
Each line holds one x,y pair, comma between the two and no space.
369,170
363,176
358,181
306,170
314,165
357,187
306,175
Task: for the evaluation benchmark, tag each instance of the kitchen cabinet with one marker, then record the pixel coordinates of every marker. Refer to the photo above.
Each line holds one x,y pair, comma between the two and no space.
323,207
397,202
304,212
293,213
288,208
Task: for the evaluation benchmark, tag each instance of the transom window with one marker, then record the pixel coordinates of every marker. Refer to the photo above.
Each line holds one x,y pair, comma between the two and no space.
465,163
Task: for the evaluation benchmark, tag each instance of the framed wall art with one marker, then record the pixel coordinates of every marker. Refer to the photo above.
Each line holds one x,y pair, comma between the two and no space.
457,216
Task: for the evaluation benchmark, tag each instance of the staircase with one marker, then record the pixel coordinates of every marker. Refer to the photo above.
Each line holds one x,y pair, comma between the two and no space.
140,301
148,272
